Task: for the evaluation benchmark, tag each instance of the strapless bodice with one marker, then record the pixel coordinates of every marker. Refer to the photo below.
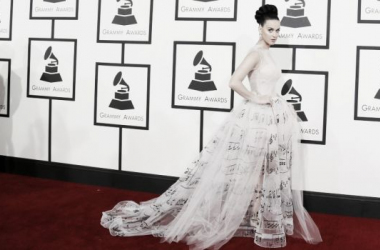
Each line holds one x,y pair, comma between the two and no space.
264,77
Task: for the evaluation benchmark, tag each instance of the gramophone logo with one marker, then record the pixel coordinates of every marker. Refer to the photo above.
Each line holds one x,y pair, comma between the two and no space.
202,81
367,84
224,10
369,11
54,9
121,100
5,69
116,105
377,96
124,13
293,97
295,15
54,1
51,73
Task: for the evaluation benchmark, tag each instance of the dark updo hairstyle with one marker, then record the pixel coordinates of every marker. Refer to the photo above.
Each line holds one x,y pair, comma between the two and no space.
266,12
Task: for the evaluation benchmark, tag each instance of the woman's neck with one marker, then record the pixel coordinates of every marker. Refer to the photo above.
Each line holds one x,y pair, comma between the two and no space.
262,45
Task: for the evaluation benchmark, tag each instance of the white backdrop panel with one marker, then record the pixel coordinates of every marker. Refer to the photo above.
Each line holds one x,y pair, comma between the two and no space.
347,164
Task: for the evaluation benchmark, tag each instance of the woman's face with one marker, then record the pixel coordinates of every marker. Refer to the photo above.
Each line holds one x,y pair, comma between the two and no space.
270,31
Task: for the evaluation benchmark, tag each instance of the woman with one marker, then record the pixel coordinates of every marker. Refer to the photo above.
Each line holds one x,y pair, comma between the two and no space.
241,184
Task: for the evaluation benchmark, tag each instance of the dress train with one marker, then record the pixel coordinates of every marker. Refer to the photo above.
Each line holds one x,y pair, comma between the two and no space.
240,185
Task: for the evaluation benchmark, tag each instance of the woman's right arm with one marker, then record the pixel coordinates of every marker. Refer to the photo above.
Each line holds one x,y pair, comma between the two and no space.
236,82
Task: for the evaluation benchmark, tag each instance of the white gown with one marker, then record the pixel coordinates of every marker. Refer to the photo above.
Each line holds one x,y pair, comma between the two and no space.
241,184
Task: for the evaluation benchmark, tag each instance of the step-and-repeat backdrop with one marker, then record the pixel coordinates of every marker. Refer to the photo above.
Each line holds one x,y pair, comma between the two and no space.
142,85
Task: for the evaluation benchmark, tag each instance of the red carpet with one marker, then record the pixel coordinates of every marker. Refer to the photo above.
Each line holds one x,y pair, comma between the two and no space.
42,214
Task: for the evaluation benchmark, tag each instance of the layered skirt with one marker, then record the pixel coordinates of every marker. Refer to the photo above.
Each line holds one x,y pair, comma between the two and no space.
240,185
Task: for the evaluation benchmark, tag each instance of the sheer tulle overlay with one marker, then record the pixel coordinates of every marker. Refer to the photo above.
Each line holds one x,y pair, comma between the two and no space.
246,182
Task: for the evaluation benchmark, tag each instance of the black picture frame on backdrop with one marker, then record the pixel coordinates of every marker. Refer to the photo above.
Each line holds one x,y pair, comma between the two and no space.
176,43
177,18
8,93
149,41
326,46
356,116
325,73
53,17
360,20
10,24
74,69
147,66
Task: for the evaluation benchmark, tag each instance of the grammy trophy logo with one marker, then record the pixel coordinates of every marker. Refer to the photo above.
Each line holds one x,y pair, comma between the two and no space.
293,97
5,65
124,14
377,96
51,73
121,100
113,85
295,15
367,85
369,11
206,10
202,81
54,1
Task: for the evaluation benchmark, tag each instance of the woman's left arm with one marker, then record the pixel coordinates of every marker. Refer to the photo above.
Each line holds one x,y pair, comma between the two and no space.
236,81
